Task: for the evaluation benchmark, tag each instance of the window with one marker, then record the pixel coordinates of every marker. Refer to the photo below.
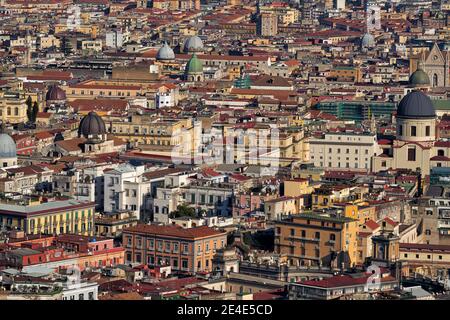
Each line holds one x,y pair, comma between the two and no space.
332,237
412,154
427,131
317,235
81,296
413,131
292,232
400,130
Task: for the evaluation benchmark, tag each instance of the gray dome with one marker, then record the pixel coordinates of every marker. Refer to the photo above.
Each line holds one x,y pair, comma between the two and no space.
165,53
193,44
7,146
368,41
416,105
91,125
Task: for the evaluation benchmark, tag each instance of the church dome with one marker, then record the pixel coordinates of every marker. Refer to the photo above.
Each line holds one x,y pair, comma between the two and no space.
419,77
416,105
7,146
193,44
91,125
55,93
165,53
194,65
368,41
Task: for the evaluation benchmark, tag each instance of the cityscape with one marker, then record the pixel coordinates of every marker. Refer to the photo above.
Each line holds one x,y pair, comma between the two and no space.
231,150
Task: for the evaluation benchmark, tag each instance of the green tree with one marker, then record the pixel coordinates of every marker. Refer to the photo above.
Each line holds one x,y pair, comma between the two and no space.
29,103
183,211
34,111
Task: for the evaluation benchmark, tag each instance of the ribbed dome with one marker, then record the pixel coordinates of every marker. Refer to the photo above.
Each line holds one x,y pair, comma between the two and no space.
368,41
194,65
419,77
165,53
55,93
7,146
193,44
416,105
91,125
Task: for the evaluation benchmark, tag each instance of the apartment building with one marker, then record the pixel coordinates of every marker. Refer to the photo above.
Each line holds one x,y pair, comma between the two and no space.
278,208
53,217
313,239
190,250
168,196
126,189
432,216
344,150
156,133
426,259
214,199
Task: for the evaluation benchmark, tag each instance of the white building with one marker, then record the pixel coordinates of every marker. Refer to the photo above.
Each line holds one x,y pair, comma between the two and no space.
125,188
169,197
116,38
344,150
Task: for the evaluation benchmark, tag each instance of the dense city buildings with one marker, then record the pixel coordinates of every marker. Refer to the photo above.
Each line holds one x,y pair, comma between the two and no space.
224,150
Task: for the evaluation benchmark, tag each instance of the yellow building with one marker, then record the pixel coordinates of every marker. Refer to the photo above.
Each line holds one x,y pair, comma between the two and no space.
346,72
297,187
13,107
153,133
362,213
311,239
278,208
53,217
49,41
91,30
102,88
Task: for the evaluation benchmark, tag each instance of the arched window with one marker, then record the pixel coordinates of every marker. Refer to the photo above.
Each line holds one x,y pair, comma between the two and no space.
9,111
435,80
16,111
441,152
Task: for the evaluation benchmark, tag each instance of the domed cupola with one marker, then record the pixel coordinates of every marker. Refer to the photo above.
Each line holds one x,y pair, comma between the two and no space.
193,44
367,41
194,69
8,151
416,105
92,127
165,53
55,94
416,118
419,78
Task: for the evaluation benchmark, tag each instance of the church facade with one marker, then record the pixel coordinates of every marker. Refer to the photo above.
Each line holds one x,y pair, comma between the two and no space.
416,146
436,63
